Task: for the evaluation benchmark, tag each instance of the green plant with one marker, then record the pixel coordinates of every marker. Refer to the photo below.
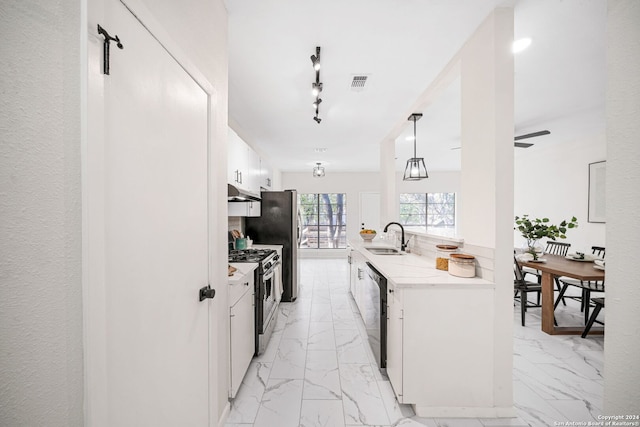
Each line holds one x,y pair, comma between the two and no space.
535,229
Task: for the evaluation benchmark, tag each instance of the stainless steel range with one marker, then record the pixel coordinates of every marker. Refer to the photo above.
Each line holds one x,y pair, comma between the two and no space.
267,293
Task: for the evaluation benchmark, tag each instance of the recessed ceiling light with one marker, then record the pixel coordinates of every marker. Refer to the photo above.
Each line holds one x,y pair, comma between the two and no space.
521,44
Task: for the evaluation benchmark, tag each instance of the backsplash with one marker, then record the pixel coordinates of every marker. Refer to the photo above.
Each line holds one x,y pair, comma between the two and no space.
236,223
425,246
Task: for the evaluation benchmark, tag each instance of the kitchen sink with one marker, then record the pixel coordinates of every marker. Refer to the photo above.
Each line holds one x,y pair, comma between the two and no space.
384,251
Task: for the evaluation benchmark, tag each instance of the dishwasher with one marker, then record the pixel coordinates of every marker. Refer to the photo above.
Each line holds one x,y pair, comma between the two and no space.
375,314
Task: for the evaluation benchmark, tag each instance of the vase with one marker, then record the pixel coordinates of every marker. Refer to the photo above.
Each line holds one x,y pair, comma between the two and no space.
533,247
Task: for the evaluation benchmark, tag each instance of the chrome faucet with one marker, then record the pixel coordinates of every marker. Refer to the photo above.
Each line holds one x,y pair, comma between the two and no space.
403,244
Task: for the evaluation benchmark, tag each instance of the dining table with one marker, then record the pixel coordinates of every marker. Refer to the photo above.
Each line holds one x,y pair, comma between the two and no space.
554,266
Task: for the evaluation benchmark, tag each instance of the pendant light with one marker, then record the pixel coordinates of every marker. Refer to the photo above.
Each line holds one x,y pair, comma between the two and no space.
416,169
318,171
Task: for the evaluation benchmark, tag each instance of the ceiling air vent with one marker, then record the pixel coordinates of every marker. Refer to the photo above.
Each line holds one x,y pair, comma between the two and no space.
358,83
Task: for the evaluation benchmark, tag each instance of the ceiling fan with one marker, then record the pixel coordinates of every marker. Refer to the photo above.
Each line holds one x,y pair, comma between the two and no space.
518,138
529,135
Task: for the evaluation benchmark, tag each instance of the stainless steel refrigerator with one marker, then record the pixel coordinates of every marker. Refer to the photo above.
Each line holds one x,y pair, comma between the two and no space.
279,225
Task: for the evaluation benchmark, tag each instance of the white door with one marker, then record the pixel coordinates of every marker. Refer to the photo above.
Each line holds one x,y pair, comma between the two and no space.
370,211
156,250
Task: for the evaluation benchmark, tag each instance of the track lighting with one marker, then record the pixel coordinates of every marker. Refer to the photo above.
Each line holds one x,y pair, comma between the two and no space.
318,171
316,87
415,169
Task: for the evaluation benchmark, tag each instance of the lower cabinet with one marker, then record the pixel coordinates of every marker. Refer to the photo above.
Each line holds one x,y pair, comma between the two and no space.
357,277
439,345
394,339
242,335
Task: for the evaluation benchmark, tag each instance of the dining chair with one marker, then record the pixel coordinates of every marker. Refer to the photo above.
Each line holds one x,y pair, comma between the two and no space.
522,288
554,248
586,287
598,305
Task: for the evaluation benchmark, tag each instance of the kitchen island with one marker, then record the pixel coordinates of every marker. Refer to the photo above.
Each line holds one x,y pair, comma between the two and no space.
440,340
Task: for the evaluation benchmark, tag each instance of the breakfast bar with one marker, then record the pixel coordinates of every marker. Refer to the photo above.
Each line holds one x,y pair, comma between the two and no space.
432,322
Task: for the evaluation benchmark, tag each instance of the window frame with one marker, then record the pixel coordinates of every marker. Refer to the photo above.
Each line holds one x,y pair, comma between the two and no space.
321,224
424,211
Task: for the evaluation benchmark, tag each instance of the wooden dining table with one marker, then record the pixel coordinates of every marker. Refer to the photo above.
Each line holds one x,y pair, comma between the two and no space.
556,266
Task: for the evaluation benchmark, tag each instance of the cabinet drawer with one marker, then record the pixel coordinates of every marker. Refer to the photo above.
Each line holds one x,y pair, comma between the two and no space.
237,290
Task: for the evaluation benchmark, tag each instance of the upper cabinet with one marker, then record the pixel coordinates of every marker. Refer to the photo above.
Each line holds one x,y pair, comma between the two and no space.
243,167
266,175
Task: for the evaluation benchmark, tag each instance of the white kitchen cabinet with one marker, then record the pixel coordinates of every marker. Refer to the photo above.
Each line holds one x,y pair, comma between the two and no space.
433,352
243,164
237,160
357,277
394,339
253,170
242,330
251,208
266,175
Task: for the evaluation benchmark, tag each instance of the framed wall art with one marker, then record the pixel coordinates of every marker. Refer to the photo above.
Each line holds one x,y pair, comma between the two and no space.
597,187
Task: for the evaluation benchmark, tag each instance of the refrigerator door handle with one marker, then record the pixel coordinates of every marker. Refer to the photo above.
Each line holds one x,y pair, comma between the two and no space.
299,228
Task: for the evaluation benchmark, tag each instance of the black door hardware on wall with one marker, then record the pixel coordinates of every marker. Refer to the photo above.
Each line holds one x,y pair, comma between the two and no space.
207,292
105,48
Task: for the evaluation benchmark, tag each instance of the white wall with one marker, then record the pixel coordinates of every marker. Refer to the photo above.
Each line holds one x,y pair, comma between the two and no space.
622,317
40,181
438,182
40,243
350,183
353,183
553,181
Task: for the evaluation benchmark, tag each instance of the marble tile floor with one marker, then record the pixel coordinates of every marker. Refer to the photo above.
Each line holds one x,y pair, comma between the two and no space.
318,369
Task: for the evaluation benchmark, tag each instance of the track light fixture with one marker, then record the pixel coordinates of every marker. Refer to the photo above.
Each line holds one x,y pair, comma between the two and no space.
415,169
318,171
316,87
315,59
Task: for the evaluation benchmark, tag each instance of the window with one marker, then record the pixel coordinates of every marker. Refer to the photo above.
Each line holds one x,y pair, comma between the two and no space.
432,210
323,220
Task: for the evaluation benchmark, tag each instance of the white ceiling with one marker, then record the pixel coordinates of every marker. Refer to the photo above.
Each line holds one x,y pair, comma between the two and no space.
402,45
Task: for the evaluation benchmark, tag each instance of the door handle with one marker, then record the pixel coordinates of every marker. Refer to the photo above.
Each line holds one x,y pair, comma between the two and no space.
207,292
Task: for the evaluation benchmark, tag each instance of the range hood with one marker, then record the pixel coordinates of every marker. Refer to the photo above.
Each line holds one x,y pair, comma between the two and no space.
235,194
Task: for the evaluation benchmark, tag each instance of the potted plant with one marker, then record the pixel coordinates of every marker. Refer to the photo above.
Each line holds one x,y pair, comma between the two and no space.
535,229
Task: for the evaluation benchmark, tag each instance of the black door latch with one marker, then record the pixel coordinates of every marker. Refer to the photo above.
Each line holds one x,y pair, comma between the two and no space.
207,292
105,48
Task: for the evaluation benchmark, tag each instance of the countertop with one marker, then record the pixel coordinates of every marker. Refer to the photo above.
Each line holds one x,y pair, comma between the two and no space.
410,270
244,268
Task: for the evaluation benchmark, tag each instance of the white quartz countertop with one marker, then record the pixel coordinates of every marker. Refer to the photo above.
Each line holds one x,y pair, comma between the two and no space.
410,270
244,268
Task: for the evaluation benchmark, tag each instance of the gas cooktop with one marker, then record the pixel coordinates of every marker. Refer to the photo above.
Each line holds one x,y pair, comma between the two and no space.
250,255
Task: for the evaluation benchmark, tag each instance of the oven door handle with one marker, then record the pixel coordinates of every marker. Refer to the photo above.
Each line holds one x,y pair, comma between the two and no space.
268,275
